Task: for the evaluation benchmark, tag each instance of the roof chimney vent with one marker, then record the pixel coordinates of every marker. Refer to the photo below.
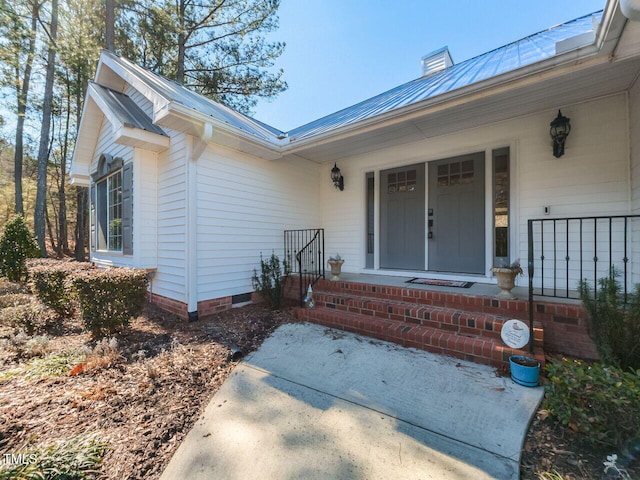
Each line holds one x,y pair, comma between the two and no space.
436,61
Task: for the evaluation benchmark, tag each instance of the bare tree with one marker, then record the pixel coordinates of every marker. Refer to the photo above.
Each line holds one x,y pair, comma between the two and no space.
43,151
16,63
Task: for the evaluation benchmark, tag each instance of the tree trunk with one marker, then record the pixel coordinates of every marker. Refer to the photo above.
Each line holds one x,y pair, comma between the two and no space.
81,223
62,213
22,94
181,43
109,34
43,151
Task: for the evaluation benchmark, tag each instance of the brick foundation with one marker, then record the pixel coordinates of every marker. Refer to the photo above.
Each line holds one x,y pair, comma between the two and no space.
170,305
205,307
214,305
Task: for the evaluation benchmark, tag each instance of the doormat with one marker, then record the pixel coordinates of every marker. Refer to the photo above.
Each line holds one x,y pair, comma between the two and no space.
440,283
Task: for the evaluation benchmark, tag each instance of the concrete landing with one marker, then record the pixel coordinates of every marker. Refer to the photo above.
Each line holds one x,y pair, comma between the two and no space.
319,403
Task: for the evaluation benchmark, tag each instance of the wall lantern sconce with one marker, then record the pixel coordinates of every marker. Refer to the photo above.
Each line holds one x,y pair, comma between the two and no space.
560,128
337,178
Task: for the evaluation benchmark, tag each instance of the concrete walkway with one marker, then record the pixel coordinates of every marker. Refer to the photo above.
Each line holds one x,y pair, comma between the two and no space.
319,403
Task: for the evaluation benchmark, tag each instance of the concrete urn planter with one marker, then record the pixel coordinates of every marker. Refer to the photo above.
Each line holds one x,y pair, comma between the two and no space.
336,267
506,281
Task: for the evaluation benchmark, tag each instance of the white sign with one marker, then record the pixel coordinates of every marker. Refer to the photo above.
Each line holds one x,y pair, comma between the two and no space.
515,333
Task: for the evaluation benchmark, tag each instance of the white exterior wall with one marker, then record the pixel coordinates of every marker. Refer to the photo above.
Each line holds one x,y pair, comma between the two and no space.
592,178
170,280
145,217
244,205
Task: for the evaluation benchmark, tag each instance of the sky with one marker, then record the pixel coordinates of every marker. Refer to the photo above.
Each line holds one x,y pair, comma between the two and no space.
340,52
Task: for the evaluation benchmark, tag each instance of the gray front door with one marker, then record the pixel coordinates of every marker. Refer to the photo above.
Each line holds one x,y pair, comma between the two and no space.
402,203
456,214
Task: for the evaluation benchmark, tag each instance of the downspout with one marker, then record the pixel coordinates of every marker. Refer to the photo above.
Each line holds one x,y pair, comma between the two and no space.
195,147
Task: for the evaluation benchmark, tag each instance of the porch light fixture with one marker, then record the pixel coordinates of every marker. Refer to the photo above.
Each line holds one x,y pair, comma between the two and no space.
337,178
560,128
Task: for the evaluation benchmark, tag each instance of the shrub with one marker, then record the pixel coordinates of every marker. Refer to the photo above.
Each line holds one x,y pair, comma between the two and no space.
270,284
31,317
17,244
9,288
15,299
52,282
613,325
109,298
600,403
25,346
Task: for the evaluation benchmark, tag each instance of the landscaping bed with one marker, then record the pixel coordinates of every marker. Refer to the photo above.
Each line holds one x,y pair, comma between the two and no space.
138,393
140,398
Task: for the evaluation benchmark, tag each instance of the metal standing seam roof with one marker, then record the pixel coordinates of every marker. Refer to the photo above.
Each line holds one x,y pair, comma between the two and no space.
521,53
527,51
123,107
177,93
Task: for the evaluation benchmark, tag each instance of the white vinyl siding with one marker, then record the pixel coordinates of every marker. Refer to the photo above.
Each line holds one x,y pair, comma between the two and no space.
145,210
171,220
244,206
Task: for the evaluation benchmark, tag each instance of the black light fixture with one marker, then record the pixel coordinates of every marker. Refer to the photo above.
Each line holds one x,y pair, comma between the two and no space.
336,176
560,128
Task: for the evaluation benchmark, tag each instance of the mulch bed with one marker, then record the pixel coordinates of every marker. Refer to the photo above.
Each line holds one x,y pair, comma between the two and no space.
145,401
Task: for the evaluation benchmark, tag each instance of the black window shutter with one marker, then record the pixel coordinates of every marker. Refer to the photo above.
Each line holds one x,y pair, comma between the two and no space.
127,209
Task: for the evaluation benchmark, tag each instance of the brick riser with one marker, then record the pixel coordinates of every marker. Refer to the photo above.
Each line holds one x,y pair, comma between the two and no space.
474,349
463,326
474,324
459,301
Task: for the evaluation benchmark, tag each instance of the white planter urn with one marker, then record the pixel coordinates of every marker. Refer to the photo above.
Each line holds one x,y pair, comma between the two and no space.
336,267
506,281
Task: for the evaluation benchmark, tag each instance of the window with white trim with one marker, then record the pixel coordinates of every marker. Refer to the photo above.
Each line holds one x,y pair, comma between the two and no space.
111,206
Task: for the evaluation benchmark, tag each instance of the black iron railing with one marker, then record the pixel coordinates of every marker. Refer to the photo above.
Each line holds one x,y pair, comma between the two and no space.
304,251
562,252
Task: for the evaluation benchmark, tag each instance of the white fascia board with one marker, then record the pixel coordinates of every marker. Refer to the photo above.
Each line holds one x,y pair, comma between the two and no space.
159,102
135,137
87,138
102,105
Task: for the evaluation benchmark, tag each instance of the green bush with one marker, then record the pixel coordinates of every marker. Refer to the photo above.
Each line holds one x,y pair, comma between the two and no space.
270,284
52,283
613,325
17,244
108,299
600,403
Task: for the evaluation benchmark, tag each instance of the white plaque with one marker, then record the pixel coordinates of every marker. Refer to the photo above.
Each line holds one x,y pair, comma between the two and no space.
515,333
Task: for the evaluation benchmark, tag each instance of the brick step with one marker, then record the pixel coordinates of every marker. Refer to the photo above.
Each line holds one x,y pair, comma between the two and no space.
487,351
517,308
476,324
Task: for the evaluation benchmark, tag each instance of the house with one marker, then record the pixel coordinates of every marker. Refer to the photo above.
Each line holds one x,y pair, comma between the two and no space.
441,175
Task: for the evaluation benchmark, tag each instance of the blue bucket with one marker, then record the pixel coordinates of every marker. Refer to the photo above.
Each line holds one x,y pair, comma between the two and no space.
522,374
